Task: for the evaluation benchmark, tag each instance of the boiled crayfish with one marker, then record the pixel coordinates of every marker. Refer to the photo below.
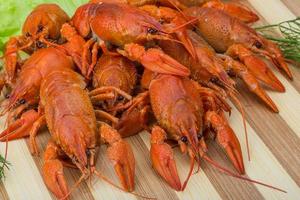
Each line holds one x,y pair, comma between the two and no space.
67,110
42,26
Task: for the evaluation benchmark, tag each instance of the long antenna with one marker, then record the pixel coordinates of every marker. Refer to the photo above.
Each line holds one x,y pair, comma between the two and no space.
116,186
230,173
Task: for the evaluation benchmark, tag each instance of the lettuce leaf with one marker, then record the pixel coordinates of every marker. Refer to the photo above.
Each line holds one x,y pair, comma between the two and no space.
14,12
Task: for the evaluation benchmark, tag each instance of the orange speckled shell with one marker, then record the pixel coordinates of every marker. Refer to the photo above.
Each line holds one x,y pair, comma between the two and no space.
221,30
115,71
69,113
41,63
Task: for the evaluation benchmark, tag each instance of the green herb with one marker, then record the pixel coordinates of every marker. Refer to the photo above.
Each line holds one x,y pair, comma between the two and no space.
4,164
289,43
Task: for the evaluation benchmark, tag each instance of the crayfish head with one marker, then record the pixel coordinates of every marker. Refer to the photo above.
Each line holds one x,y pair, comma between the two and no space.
43,22
186,125
80,19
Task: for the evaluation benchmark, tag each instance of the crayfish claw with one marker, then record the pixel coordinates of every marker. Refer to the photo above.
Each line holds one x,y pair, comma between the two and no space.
227,139
163,158
251,81
154,59
257,66
121,155
53,172
277,57
21,127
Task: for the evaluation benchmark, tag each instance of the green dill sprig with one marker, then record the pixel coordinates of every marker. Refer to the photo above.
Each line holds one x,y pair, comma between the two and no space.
4,164
289,43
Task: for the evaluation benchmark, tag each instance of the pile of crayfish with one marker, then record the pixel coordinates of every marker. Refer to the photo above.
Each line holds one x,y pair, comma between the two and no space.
119,67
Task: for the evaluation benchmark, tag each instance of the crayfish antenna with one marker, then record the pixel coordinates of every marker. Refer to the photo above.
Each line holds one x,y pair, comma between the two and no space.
192,162
183,25
242,110
177,5
107,180
17,93
230,173
74,186
19,48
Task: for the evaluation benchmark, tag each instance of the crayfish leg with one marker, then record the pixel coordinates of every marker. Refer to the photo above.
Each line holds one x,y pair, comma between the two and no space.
41,121
135,118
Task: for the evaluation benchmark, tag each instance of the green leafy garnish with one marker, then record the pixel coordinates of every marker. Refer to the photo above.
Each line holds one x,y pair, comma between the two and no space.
289,43
4,164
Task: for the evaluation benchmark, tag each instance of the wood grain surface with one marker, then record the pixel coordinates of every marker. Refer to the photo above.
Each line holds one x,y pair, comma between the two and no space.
274,146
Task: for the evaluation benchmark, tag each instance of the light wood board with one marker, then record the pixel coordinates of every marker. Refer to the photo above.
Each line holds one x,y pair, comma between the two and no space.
274,147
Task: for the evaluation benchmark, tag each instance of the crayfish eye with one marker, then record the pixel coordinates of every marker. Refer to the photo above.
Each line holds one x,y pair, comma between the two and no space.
258,44
120,98
7,96
22,101
183,139
161,21
230,72
87,152
39,44
200,135
214,79
27,34
40,28
152,31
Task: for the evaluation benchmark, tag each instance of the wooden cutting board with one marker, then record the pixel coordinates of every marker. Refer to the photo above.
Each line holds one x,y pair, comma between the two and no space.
274,148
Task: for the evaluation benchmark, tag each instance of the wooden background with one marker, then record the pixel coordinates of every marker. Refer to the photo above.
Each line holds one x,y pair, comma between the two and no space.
274,146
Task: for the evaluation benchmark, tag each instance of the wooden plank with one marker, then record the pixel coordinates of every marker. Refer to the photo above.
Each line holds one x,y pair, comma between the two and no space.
273,11
293,5
263,165
23,180
3,193
275,133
